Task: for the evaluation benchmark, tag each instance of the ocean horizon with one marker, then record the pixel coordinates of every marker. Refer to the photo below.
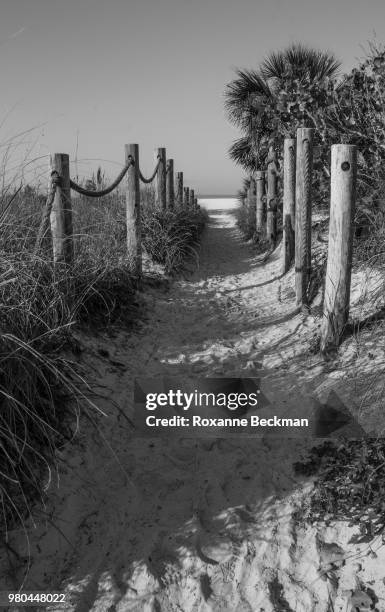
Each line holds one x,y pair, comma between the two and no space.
211,197
222,202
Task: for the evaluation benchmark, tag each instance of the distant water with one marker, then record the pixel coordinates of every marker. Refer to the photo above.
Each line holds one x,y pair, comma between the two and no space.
218,203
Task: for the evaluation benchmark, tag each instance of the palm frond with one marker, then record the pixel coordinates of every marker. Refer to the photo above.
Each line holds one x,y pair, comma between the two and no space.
299,61
240,195
241,153
246,96
323,65
245,184
274,66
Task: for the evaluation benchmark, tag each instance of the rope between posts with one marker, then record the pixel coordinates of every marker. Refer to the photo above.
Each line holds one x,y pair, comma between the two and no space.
98,194
55,182
44,224
149,180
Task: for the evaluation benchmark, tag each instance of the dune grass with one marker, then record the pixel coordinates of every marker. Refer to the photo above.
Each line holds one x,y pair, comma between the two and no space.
171,237
41,393
245,216
246,221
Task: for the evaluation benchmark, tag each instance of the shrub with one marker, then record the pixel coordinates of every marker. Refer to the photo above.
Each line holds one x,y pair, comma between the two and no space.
349,484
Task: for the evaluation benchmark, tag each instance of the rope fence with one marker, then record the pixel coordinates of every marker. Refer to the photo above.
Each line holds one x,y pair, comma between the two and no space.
90,193
261,198
57,213
149,180
296,175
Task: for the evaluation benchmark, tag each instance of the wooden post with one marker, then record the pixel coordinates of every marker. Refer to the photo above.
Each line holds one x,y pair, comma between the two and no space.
160,183
260,204
179,188
61,213
170,192
247,198
303,182
186,198
133,221
339,264
288,203
252,198
192,198
196,203
272,204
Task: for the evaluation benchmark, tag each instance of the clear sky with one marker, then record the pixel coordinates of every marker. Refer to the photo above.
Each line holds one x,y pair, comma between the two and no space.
105,73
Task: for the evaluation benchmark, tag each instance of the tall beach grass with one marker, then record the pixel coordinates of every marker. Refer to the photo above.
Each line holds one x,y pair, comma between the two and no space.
41,393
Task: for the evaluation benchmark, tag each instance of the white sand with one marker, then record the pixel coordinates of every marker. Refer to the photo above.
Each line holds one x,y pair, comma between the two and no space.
187,526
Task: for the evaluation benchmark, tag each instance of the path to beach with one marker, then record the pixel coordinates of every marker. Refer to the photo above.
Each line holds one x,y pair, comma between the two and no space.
186,525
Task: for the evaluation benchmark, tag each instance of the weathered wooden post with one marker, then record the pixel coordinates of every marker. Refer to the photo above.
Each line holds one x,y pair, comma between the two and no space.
186,196
303,180
133,221
160,184
196,203
271,202
247,198
61,213
192,198
170,192
339,264
179,188
288,214
251,203
252,197
260,204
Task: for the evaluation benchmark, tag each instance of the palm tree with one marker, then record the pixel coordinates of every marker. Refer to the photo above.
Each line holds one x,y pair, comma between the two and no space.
246,99
276,99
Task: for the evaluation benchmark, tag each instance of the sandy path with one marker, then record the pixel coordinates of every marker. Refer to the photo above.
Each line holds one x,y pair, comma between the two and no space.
185,525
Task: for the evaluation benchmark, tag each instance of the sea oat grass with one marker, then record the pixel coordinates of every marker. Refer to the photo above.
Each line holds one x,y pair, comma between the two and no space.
171,237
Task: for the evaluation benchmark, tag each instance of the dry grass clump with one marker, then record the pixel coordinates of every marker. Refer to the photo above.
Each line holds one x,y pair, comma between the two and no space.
245,216
370,235
171,237
99,226
35,385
